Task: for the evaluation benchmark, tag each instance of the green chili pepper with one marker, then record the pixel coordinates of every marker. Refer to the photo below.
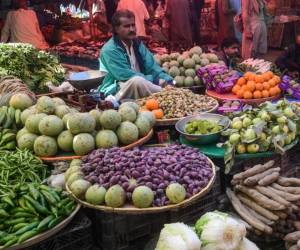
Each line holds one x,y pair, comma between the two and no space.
8,200
3,213
27,235
35,194
17,210
42,200
63,202
2,234
14,221
11,242
51,200
54,222
52,192
6,239
37,205
19,226
27,228
44,223
30,207
23,214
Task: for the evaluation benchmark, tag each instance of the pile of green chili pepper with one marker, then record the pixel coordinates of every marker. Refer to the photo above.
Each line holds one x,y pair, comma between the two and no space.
19,167
33,209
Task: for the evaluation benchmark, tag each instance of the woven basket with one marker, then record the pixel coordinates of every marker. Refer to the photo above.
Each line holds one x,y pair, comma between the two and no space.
130,209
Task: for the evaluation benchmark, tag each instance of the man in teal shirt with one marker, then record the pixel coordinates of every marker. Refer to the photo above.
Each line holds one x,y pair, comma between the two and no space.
131,69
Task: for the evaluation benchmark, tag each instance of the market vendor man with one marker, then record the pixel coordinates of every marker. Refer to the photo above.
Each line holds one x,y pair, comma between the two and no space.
131,69
22,26
289,61
230,52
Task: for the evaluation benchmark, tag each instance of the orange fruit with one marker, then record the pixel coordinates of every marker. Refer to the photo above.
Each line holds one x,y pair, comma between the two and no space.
251,77
257,94
152,104
240,94
266,77
273,91
266,85
251,86
248,95
247,74
278,90
236,88
272,82
244,88
159,114
276,79
241,81
271,74
259,86
265,93
259,79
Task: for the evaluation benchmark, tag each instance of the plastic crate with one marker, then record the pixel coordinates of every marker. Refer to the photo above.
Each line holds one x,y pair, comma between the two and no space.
76,236
267,242
132,232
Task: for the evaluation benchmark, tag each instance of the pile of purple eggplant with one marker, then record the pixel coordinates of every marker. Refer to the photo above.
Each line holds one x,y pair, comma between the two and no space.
290,86
155,168
218,77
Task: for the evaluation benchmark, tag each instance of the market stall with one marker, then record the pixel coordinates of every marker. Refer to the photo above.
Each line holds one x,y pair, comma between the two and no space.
210,163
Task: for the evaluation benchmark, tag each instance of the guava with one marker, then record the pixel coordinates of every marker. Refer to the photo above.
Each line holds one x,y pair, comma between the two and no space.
252,148
142,197
79,187
176,193
237,125
75,162
246,122
115,196
95,195
234,138
241,149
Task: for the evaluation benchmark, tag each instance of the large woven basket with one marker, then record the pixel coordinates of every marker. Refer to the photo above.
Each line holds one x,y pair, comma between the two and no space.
130,209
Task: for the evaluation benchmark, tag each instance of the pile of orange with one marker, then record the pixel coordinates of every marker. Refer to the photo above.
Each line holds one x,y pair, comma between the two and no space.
153,106
253,86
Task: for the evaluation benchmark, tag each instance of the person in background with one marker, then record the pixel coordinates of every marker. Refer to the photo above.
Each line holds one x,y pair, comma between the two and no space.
237,8
138,8
197,6
22,26
230,52
180,19
224,20
111,7
131,69
290,60
255,37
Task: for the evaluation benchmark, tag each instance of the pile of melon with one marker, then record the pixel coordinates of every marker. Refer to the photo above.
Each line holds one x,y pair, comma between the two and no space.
51,127
183,67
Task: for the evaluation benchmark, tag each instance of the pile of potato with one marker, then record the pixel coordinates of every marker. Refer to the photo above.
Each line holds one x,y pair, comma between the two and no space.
264,199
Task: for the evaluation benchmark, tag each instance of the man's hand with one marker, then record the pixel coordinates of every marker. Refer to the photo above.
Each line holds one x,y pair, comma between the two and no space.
166,84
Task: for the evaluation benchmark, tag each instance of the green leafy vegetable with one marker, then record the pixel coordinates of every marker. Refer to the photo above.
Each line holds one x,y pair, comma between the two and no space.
34,67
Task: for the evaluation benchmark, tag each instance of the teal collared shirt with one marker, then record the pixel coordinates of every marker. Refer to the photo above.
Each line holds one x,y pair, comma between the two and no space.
114,60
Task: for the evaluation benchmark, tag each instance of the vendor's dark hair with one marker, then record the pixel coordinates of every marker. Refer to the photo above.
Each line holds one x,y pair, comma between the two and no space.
116,19
227,42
